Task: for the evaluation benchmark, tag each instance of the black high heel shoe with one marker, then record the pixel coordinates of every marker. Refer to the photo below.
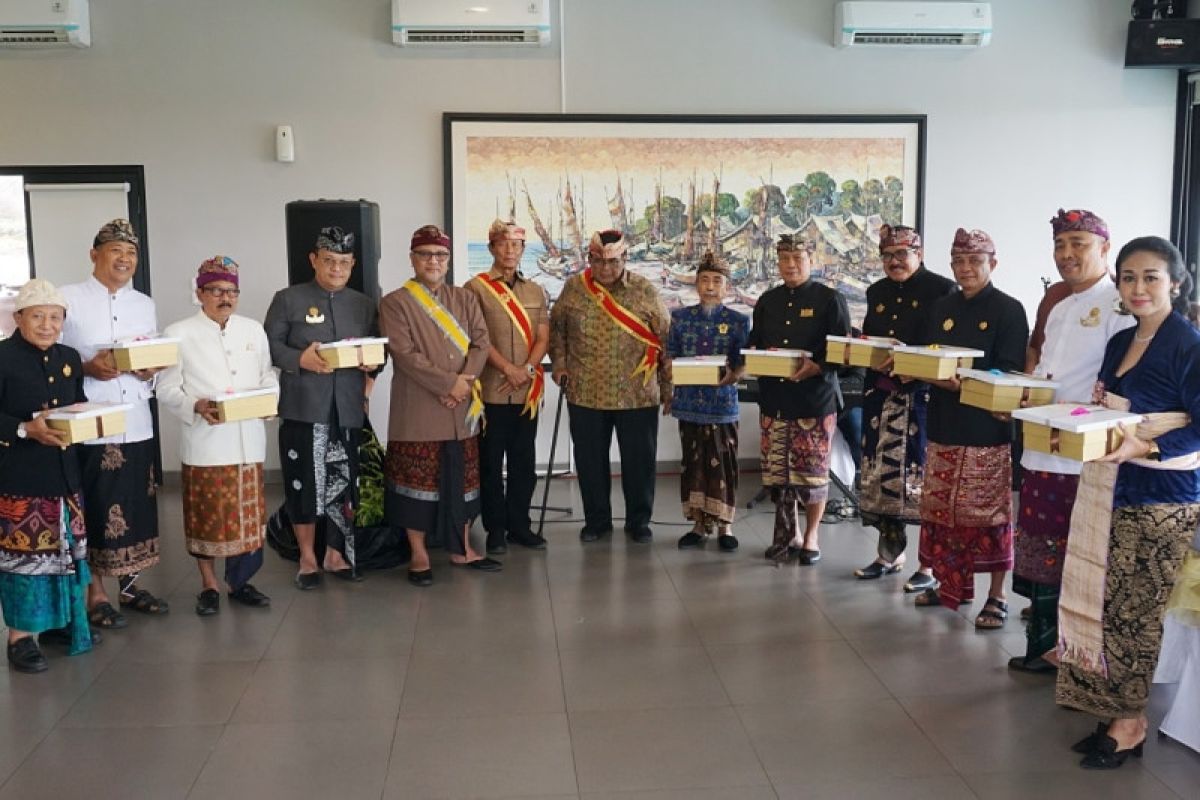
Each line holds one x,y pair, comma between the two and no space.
1088,743
1107,756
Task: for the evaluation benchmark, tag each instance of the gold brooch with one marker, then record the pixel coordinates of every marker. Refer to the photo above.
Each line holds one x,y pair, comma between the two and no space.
66,370
314,316
983,325
722,328
948,325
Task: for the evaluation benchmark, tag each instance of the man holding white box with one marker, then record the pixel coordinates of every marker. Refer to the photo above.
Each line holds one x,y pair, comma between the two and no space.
119,486
321,409
224,503
798,413
894,410
1077,330
966,497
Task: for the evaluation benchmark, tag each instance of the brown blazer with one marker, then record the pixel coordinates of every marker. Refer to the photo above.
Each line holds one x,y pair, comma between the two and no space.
426,364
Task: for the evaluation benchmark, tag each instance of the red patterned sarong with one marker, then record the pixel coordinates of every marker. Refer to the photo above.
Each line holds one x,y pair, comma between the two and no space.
224,509
966,516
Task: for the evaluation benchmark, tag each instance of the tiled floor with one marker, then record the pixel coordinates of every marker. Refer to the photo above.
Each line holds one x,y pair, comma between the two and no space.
608,671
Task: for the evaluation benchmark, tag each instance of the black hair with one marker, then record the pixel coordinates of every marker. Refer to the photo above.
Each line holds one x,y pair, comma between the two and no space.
610,236
1169,253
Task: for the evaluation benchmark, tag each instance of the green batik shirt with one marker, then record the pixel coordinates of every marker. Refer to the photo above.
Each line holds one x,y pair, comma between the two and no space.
600,356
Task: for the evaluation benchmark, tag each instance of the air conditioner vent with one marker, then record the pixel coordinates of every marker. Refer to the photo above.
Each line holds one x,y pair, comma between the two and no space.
468,36
920,39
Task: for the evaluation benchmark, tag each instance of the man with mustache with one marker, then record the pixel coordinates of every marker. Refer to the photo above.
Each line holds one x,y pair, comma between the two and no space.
893,462
224,504
321,408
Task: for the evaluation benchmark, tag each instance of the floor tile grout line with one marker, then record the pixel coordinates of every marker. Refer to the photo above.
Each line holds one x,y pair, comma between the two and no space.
562,675
387,767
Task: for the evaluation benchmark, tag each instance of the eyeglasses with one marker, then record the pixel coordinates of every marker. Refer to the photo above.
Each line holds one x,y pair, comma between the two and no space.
596,261
215,291
425,255
895,255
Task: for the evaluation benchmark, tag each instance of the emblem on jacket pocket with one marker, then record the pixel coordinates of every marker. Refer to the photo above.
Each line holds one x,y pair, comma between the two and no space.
314,316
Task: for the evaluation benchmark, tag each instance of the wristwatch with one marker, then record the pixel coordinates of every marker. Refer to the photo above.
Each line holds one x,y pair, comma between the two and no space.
21,432
1155,454
531,370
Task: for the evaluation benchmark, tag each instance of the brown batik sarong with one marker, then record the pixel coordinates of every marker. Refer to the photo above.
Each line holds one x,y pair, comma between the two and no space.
224,509
708,486
1146,548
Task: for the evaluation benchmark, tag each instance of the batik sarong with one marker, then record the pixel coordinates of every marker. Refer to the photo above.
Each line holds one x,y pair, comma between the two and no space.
1146,548
120,507
433,487
893,464
320,472
966,516
224,509
1039,548
708,486
40,591
796,454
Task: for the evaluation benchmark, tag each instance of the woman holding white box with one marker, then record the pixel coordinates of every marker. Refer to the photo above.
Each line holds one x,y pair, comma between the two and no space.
1136,510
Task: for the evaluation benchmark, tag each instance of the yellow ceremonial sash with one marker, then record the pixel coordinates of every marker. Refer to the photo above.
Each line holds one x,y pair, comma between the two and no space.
520,319
458,337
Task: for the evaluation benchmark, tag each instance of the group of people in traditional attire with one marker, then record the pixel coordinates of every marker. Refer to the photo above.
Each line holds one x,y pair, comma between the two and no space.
1096,548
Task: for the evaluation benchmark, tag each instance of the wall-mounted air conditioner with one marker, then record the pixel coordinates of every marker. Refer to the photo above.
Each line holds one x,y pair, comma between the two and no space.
946,25
470,22
45,23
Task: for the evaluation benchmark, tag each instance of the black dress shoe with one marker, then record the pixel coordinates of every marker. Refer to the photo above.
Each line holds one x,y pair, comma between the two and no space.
208,603
24,656
1088,743
62,637
307,580
420,577
876,570
590,534
690,541
727,542
247,595
481,564
496,544
1105,754
808,557
641,535
534,541
1037,666
348,574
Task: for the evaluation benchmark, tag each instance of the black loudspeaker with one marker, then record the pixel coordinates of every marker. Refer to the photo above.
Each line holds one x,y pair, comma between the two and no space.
1170,43
306,218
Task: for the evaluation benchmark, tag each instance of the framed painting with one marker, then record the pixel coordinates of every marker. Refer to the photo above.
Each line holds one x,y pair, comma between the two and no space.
679,186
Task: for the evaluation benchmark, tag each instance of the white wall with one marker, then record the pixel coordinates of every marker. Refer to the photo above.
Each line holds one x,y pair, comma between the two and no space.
1044,117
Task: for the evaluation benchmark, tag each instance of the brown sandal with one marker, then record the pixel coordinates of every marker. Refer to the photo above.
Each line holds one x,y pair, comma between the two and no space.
927,598
144,602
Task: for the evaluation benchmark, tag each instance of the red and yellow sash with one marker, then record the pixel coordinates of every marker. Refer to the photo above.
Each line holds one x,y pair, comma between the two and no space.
458,337
626,321
520,319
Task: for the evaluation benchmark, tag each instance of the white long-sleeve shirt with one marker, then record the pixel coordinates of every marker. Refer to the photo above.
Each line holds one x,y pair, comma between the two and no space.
1077,330
214,361
95,319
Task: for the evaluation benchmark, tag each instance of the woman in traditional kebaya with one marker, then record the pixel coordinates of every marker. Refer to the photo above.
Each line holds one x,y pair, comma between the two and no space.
1136,510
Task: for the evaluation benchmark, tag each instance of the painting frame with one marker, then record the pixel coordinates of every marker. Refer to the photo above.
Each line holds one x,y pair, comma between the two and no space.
477,145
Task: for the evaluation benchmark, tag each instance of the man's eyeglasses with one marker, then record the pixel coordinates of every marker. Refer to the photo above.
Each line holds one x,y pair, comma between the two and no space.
215,291
895,255
424,255
596,261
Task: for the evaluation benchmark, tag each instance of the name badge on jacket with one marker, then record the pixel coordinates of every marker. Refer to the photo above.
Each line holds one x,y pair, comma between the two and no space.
806,312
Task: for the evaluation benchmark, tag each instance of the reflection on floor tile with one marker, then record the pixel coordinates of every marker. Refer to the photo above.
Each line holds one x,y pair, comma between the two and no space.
602,670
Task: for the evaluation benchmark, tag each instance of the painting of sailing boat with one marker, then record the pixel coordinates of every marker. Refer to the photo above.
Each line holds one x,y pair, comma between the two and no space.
681,186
